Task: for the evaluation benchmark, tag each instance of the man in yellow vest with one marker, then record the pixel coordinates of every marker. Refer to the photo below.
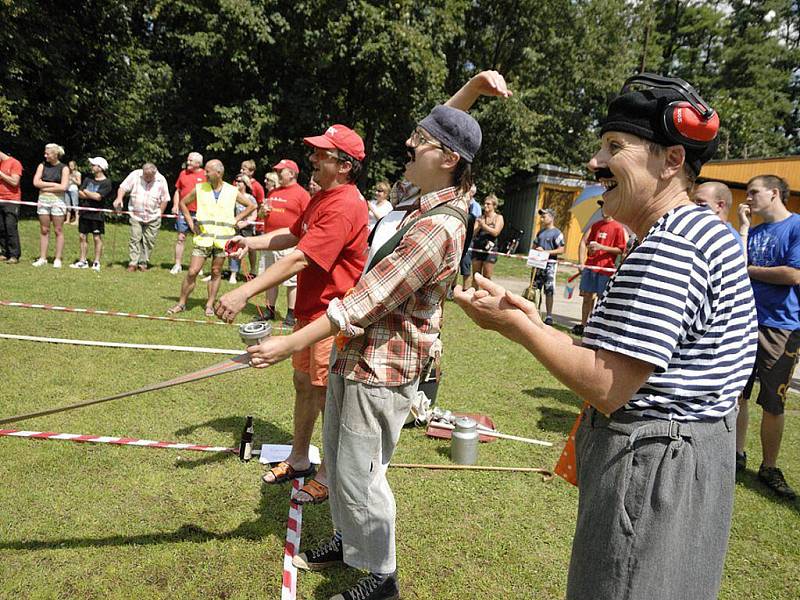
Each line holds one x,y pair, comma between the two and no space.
213,225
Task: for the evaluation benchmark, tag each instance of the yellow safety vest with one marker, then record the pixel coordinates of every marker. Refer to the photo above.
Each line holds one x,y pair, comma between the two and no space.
215,218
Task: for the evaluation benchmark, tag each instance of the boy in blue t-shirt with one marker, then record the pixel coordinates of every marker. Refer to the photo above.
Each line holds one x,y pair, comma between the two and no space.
773,252
550,240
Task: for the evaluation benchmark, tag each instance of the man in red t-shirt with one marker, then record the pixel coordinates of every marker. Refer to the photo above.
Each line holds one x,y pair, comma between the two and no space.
284,205
188,178
331,244
599,247
10,173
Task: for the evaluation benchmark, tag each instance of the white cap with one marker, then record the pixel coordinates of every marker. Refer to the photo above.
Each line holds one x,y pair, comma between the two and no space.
100,162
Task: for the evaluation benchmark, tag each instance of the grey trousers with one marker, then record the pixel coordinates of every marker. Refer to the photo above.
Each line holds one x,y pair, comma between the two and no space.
143,239
654,508
360,432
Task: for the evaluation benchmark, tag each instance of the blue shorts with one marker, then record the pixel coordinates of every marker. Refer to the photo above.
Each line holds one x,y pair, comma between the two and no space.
593,282
465,267
180,223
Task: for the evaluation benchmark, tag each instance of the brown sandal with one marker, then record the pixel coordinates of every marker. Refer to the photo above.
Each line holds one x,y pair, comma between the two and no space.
316,490
283,471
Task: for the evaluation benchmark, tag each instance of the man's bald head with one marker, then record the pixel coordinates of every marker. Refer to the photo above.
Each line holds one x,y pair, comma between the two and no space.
717,196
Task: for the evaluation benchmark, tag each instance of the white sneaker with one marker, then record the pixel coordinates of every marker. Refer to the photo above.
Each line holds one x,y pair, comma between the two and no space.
95,266
79,264
57,263
206,278
39,262
175,269
232,278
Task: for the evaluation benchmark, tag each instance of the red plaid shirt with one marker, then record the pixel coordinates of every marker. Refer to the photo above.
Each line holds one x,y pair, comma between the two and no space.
398,303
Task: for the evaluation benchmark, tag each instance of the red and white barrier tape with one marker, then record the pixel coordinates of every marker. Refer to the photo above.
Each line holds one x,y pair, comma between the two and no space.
33,338
107,210
292,545
552,260
108,313
116,313
106,439
90,209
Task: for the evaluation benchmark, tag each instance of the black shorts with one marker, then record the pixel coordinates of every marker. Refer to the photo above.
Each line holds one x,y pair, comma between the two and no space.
775,362
87,226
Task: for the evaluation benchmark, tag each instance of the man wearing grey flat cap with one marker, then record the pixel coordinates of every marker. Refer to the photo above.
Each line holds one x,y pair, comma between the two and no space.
387,331
664,356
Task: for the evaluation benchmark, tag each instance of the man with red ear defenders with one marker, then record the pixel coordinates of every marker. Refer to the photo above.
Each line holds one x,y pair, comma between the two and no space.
664,356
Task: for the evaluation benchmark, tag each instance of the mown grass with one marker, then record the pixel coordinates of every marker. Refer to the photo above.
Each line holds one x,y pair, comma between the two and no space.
83,521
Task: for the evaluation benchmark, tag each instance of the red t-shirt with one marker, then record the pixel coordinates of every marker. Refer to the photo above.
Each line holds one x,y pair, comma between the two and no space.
608,233
286,205
258,191
333,236
186,182
10,166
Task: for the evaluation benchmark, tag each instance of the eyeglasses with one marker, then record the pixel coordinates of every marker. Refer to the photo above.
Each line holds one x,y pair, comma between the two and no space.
417,138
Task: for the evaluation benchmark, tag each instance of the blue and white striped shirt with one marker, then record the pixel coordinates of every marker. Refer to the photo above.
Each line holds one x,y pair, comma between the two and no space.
682,302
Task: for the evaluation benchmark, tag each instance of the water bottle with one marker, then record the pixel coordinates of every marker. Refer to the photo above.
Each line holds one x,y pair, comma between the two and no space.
246,443
464,442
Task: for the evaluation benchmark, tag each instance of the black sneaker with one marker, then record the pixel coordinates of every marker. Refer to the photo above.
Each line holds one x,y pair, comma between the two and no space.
577,330
741,461
548,320
325,555
289,320
773,478
372,587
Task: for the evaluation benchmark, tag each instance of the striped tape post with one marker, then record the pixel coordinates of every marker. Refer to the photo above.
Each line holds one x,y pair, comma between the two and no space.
117,441
292,545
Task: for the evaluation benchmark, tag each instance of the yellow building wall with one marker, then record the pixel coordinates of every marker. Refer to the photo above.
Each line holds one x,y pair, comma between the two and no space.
568,224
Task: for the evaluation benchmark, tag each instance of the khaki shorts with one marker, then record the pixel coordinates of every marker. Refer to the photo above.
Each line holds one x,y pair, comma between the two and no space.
210,252
775,362
273,256
314,360
51,204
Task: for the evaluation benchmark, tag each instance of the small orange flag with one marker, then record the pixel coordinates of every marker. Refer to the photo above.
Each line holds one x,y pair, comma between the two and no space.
567,466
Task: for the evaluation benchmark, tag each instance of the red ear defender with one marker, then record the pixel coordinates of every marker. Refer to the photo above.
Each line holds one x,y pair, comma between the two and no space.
686,125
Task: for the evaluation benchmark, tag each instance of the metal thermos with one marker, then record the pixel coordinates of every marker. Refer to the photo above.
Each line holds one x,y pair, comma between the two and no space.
252,333
464,442
246,443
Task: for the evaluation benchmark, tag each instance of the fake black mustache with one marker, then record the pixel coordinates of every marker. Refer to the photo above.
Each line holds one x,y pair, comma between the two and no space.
603,173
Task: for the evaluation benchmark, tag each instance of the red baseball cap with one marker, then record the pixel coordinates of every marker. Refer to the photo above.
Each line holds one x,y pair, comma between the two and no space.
285,163
340,137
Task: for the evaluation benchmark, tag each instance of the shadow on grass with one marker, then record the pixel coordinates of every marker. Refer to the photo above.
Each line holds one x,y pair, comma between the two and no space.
270,521
749,479
557,420
250,311
266,433
559,394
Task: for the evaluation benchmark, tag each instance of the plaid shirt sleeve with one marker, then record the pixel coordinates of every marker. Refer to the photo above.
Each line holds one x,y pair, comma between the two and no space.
420,258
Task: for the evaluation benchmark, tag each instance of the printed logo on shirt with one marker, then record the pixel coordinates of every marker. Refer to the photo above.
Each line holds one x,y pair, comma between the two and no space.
602,235
763,250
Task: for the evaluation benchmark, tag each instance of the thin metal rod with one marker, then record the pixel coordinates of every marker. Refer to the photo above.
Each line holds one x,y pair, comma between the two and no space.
545,472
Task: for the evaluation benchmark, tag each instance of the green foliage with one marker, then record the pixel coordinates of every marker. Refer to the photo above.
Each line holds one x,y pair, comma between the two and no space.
143,80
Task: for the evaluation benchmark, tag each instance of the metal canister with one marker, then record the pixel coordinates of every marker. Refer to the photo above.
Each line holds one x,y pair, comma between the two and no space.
254,332
464,442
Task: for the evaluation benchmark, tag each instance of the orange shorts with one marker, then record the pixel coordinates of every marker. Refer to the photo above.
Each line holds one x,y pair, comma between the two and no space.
315,359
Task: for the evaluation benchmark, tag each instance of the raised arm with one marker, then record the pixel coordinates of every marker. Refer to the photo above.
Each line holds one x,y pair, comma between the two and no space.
485,83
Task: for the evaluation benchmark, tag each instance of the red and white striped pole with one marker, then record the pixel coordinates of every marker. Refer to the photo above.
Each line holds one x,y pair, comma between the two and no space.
292,545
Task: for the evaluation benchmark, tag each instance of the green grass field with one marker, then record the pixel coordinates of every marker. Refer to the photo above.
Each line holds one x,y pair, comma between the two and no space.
97,521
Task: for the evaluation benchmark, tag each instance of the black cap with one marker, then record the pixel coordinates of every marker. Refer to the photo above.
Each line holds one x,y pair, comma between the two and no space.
455,129
642,113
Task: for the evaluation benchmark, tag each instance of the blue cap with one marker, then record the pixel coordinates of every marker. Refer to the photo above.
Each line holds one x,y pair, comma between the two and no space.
455,129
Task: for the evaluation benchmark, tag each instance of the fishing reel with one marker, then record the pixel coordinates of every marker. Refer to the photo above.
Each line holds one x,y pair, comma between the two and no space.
253,333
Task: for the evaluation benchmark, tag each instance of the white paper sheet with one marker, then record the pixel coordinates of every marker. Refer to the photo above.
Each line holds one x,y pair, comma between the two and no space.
272,453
